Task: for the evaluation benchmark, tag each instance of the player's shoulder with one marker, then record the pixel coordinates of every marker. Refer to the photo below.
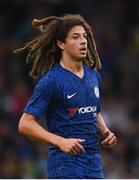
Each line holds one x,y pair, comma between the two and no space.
50,75
45,80
93,71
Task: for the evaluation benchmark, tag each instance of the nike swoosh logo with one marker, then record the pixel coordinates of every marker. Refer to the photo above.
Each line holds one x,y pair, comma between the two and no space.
70,96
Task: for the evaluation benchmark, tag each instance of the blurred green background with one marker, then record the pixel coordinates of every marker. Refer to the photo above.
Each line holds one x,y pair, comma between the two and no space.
115,24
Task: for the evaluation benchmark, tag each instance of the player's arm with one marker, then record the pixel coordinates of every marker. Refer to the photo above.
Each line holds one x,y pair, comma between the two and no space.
109,139
29,126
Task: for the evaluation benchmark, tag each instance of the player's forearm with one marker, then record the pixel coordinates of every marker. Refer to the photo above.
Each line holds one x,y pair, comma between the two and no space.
101,124
35,131
35,139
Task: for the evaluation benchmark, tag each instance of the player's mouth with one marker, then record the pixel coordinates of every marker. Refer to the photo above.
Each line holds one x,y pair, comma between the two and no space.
83,50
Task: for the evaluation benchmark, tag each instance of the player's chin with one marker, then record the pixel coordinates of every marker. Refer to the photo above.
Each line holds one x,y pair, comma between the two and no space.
82,56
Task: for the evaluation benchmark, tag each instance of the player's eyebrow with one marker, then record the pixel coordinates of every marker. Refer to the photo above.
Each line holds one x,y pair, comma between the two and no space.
79,33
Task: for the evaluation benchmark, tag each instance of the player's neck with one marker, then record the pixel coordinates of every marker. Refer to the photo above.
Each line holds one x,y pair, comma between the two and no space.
74,66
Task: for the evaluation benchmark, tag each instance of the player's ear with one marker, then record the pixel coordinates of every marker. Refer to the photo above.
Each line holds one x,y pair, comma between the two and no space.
60,45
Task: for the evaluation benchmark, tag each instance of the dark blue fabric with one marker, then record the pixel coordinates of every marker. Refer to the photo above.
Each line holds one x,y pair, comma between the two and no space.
71,105
83,166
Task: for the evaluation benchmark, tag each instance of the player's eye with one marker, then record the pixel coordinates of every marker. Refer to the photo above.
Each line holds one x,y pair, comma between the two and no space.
75,37
85,36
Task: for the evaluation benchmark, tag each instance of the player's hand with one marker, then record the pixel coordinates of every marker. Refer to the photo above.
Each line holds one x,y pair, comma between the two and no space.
71,146
109,139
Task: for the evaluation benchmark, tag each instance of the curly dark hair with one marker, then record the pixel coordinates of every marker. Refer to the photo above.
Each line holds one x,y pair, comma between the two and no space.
43,51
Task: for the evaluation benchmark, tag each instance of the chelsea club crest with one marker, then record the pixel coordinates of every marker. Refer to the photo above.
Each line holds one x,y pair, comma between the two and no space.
96,91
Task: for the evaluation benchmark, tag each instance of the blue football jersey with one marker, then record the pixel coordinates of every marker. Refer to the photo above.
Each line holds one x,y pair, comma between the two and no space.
70,104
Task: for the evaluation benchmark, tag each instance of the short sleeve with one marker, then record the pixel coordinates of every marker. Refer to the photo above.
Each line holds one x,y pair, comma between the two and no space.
99,81
41,97
100,90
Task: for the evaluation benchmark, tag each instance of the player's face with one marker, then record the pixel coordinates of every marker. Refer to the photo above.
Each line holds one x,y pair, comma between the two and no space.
76,43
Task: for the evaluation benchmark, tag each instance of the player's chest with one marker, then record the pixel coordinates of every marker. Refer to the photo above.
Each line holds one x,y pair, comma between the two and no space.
79,93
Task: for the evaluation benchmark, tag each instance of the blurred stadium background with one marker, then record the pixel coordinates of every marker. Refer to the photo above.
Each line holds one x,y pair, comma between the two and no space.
115,24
